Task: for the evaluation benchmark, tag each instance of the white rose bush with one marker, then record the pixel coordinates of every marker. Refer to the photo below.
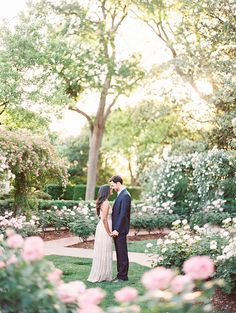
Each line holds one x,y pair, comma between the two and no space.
5,174
182,243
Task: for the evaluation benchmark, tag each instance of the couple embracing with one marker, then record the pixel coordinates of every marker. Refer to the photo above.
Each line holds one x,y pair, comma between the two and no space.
113,226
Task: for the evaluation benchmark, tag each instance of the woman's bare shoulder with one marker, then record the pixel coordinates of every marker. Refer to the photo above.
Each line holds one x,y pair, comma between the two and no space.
106,204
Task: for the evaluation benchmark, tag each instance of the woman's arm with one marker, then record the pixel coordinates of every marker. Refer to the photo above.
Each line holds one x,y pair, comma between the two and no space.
105,210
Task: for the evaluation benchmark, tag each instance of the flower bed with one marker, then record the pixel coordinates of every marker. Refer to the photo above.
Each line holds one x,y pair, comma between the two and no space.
23,268
181,243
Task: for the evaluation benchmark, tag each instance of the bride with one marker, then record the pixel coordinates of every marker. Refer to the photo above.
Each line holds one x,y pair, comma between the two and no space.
102,261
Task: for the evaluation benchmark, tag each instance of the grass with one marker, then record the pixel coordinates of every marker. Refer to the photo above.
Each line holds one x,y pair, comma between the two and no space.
140,246
79,268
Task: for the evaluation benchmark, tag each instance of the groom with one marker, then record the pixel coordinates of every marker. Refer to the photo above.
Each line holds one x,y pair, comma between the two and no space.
120,226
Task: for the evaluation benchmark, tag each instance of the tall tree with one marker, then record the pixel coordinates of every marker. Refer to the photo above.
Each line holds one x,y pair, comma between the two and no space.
200,36
71,49
141,133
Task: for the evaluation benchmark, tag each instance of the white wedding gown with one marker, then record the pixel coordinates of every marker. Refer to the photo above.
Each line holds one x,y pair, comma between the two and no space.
102,260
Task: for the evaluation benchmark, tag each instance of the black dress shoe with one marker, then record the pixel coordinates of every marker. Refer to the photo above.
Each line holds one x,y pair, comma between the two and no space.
117,280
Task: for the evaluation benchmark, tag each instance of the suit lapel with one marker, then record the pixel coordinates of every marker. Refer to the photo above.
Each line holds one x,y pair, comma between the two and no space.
118,198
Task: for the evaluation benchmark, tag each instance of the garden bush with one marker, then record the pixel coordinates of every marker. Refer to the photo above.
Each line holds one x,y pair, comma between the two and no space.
78,192
82,227
58,217
194,181
182,243
21,224
33,162
213,218
150,223
27,281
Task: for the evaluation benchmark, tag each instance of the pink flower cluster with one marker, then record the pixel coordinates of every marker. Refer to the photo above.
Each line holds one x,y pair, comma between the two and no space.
17,223
32,247
158,278
126,294
197,267
87,299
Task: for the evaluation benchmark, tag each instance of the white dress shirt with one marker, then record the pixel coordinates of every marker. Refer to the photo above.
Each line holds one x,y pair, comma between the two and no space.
120,191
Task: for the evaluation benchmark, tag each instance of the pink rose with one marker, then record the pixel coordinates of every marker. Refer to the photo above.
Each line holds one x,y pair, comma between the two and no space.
199,267
69,293
90,309
15,241
158,278
55,276
126,294
33,249
181,283
91,296
10,232
2,264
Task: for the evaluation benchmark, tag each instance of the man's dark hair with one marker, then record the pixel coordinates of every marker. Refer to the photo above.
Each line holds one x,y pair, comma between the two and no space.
116,179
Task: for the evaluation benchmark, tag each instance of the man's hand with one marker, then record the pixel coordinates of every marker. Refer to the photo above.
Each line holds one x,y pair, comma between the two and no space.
115,233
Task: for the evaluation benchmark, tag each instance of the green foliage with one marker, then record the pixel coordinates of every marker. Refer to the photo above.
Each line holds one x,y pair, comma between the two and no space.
203,35
76,151
68,62
33,161
55,191
227,271
197,181
82,227
19,117
144,130
181,243
151,222
213,218
25,286
78,192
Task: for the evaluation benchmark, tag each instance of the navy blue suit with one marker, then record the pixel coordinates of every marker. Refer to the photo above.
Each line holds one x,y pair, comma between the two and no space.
121,223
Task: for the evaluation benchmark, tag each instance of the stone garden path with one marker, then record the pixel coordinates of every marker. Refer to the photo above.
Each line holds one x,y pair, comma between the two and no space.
60,247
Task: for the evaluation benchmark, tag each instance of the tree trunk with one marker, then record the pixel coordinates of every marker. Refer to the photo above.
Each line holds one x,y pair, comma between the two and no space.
133,179
95,142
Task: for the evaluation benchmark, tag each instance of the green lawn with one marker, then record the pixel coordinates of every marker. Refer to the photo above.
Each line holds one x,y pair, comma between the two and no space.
78,269
140,246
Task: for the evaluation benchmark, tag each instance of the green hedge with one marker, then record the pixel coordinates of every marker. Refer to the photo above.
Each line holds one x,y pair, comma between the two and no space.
78,192
213,218
152,222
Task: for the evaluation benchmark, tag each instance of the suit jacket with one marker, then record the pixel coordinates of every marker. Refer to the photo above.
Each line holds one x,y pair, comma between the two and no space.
121,212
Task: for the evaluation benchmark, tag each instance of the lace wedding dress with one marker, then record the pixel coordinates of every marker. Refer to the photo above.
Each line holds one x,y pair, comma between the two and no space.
102,260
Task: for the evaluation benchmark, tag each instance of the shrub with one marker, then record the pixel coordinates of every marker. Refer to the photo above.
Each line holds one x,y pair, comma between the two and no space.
151,222
78,192
28,283
194,181
6,205
54,191
181,243
24,278
33,161
42,195
213,218
82,227
59,215
21,224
